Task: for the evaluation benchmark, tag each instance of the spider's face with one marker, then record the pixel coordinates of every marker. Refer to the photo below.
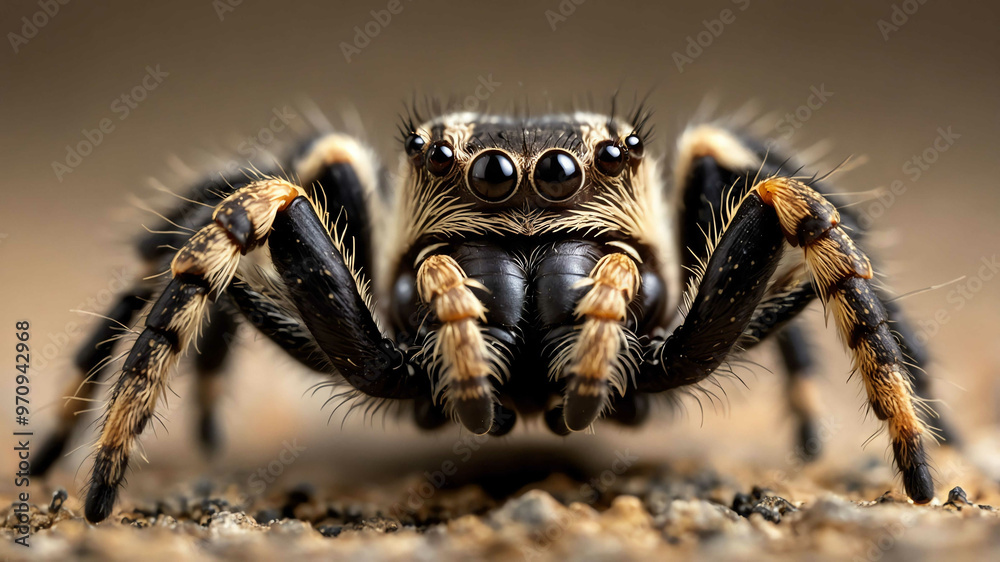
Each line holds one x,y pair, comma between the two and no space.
525,181
497,164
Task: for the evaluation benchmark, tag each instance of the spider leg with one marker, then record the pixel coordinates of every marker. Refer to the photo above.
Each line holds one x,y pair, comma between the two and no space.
91,361
714,161
734,282
323,287
842,274
803,397
279,326
201,271
785,208
716,167
330,301
214,347
155,248
339,171
778,309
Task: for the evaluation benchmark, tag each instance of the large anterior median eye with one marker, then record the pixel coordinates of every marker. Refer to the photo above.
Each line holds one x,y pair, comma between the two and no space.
492,176
557,175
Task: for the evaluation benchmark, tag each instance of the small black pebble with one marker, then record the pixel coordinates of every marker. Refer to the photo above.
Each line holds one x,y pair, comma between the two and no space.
769,514
266,516
301,493
887,497
958,496
330,530
57,501
743,504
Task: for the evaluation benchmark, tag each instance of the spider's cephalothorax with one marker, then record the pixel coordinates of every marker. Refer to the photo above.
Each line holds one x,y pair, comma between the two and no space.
526,258
521,266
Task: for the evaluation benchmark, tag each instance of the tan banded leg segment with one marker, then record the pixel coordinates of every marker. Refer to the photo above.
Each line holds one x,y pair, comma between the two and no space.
842,273
460,349
201,269
596,354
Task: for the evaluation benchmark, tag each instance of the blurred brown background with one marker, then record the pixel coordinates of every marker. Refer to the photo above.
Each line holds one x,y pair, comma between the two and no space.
893,85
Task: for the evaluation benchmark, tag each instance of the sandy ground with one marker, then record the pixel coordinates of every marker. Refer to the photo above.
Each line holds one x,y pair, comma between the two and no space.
528,501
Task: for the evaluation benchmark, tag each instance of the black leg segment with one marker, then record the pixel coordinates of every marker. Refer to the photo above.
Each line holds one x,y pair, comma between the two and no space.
733,285
324,290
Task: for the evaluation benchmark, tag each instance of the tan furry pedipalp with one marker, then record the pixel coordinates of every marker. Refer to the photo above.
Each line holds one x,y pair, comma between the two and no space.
460,349
595,354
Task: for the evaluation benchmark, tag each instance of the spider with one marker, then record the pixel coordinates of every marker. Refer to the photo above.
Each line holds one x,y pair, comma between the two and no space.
525,267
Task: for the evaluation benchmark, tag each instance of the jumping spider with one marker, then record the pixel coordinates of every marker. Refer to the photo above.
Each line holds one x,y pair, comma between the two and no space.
524,266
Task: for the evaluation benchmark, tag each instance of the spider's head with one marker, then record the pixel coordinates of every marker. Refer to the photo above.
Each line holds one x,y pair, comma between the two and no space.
492,164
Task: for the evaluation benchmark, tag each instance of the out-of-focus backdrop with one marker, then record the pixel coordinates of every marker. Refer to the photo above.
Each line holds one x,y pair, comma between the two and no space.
908,87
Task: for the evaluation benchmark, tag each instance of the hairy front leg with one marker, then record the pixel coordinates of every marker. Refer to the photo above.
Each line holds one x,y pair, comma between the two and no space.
201,271
843,280
779,208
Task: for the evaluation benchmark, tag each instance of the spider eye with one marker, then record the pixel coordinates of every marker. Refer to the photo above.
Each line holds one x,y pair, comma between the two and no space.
609,158
440,158
414,144
492,176
557,175
634,145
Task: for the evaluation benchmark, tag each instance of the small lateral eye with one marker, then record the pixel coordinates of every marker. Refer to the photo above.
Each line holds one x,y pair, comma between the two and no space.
414,144
609,158
440,158
634,145
492,176
557,175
